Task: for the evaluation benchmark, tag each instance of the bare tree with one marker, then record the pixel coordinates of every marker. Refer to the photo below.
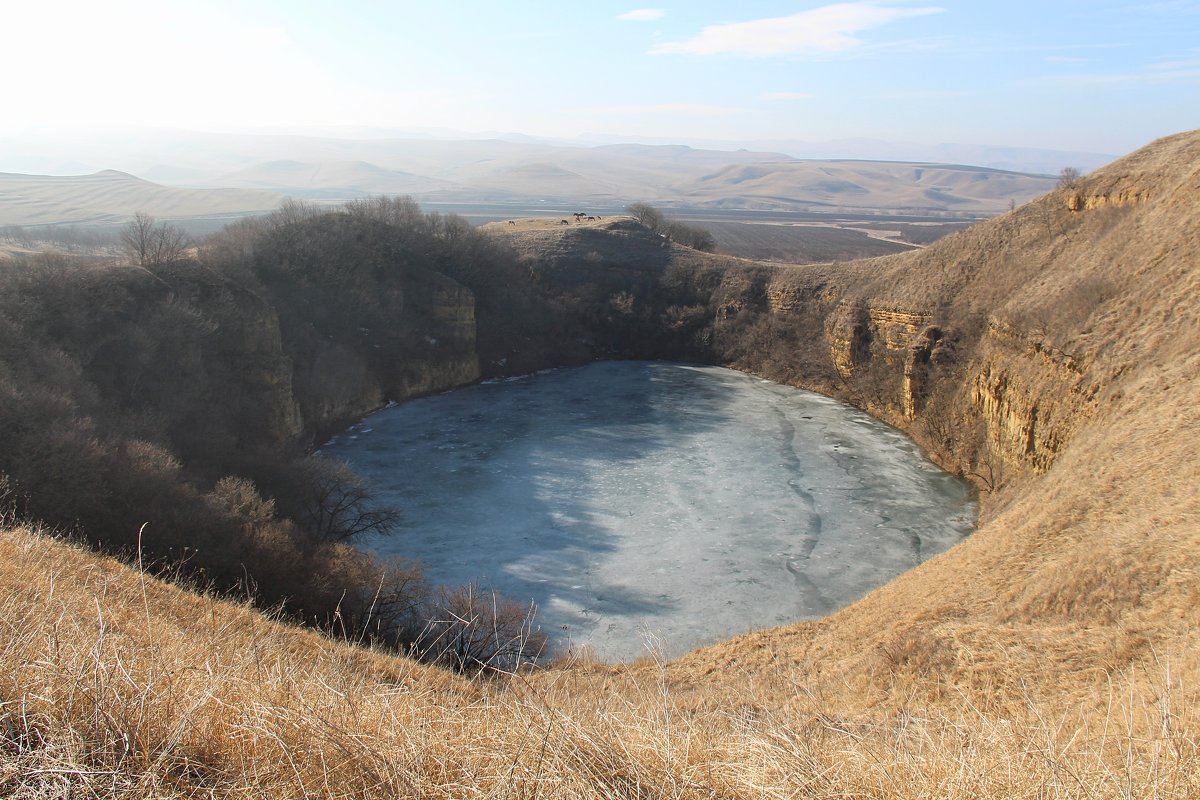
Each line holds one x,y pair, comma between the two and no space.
693,236
400,211
292,211
395,613
1068,177
150,242
336,505
647,215
690,235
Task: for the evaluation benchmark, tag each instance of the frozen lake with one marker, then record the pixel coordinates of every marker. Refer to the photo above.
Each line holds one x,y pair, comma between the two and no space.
651,501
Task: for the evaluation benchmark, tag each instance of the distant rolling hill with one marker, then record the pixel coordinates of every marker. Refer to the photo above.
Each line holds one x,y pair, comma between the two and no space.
671,177
234,175
332,179
864,185
111,196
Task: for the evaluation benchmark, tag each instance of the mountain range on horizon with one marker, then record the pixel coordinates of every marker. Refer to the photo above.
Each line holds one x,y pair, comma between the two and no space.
230,174
136,150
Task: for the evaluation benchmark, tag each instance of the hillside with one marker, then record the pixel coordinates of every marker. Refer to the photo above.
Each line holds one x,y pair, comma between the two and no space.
614,176
111,196
239,175
1053,354
1083,376
862,185
337,179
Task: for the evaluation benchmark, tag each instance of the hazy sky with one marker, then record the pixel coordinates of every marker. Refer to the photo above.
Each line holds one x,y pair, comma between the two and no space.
1099,75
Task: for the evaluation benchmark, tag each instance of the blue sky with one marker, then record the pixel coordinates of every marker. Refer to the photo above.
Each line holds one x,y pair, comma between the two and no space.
1103,76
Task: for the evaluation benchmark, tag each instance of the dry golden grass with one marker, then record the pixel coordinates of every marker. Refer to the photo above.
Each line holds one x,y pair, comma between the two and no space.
117,686
547,223
1053,654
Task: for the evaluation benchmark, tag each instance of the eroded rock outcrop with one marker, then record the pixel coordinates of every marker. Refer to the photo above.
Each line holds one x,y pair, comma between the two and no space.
903,340
1029,395
1118,198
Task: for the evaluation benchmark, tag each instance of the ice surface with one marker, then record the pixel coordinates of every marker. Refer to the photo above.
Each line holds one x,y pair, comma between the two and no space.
630,499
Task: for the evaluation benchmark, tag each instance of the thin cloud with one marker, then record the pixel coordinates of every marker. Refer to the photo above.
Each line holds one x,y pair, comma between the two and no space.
1183,70
642,15
1186,67
1168,7
692,109
786,96
928,94
828,29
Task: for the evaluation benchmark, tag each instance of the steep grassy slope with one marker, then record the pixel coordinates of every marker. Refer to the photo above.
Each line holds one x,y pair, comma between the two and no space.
1054,353
116,685
1076,357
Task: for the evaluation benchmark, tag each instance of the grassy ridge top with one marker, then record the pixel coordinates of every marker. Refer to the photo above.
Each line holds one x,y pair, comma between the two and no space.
1052,653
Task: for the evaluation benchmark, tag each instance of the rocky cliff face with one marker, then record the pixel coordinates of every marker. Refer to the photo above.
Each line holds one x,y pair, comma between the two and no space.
1118,198
451,358
1003,380
249,345
423,342
1030,396
903,339
1023,391
1114,188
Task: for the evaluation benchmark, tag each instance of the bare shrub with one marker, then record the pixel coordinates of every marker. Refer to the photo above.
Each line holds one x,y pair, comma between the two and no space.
335,504
691,236
239,496
680,317
10,502
1067,312
1068,177
401,212
150,242
623,304
232,249
647,215
292,212
877,383
392,615
474,630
